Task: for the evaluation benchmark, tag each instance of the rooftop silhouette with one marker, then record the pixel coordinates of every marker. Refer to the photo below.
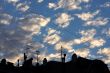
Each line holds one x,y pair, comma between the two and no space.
76,65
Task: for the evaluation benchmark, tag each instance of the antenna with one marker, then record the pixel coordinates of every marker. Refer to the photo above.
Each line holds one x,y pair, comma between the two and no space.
61,53
28,46
25,53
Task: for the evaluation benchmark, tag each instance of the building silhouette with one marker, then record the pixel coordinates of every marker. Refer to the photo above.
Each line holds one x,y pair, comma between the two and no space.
76,65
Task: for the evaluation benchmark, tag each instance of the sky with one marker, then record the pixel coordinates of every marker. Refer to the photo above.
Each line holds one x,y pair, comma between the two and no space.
79,26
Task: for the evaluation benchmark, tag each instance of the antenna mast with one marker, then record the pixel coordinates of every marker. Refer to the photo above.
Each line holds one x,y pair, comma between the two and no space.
61,53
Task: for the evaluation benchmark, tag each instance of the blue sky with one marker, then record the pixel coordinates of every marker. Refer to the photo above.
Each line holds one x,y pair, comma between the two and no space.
80,26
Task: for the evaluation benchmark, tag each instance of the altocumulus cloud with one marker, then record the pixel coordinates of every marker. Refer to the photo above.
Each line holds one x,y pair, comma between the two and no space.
52,37
68,4
87,16
5,19
106,53
63,20
48,25
14,39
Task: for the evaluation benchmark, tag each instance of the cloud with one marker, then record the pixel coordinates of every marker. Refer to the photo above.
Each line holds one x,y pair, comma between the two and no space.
19,30
5,18
90,19
83,52
52,37
15,39
22,7
35,29
106,60
87,16
63,20
97,22
14,42
12,1
33,23
68,4
97,43
67,46
106,31
88,33
94,56
52,31
88,36
15,58
86,1
107,4
55,56
43,21
71,4
77,41
40,1
52,5
106,53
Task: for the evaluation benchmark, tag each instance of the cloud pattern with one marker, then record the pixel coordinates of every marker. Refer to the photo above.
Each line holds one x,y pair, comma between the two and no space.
80,26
